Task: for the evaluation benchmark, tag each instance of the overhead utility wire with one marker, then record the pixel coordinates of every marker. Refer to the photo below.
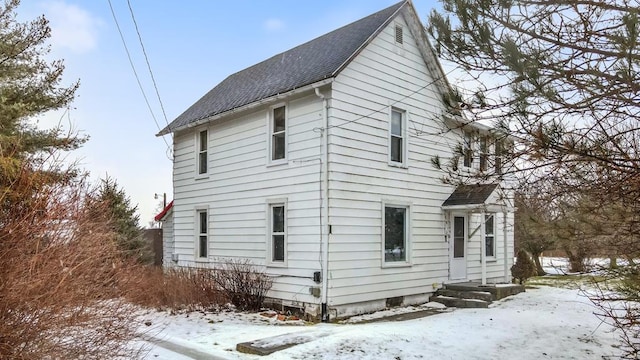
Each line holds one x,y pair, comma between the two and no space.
146,58
115,19
392,104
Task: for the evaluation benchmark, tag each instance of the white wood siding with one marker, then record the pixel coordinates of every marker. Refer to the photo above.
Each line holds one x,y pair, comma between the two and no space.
238,186
382,76
167,240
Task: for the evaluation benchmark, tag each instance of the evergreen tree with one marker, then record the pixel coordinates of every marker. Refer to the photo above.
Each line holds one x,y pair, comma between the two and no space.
524,268
29,86
123,219
57,263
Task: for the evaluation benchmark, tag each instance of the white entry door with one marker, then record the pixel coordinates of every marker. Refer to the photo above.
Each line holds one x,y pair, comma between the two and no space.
458,248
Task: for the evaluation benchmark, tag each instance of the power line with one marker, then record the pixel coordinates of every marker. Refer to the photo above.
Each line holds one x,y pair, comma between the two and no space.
135,73
146,58
392,104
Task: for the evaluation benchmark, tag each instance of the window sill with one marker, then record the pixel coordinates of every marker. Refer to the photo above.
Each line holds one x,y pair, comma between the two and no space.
399,264
202,177
201,260
398,165
277,163
276,265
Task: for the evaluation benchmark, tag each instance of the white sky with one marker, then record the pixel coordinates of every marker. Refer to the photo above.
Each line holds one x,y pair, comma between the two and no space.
192,46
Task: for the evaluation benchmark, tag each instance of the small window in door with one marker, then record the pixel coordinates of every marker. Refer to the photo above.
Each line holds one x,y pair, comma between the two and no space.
458,237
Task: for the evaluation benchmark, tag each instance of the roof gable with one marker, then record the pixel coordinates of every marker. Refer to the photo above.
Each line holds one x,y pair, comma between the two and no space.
313,61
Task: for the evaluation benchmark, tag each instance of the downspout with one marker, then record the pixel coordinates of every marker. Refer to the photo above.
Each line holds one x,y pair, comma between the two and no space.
325,203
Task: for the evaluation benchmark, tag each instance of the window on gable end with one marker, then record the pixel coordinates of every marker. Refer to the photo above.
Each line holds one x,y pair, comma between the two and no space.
202,145
397,137
278,125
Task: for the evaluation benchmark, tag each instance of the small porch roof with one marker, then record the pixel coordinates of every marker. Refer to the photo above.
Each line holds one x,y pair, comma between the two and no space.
477,197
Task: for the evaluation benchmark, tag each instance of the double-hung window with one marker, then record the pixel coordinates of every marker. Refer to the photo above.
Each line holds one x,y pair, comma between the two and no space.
202,245
277,233
490,235
498,153
467,150
278,133
484,153
397,137
396,234
202,145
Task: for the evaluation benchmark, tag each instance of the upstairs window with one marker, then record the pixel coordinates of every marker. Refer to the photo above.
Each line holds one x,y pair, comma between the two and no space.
489,235
278,133
467,149
397,138
202,145
499,153
484,153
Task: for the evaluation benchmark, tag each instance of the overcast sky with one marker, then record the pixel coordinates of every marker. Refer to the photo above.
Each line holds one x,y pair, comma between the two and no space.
191,46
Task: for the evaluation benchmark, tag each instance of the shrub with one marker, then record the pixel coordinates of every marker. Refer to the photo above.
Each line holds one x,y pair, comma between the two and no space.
59,267
245,287
178,288
524,267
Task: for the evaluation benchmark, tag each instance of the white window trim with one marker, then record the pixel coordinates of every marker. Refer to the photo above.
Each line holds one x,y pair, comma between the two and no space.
495,225
405,138
269,238
196,251
270,120
197,153
408,232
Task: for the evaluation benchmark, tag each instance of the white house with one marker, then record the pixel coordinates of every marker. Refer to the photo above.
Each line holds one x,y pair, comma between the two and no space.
316,164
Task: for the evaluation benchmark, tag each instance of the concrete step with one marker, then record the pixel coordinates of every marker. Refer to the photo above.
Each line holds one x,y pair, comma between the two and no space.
449,301
498,291
478,295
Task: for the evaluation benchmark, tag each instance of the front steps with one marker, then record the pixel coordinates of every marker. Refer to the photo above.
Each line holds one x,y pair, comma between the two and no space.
473,294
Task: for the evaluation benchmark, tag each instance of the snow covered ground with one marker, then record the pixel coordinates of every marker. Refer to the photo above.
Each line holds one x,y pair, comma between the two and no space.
542,323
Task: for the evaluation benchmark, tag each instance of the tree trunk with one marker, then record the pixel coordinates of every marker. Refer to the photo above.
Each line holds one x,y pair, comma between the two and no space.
536,260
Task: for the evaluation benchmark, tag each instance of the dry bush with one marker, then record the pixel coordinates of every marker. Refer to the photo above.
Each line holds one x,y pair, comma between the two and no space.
175,289
58,277
245,286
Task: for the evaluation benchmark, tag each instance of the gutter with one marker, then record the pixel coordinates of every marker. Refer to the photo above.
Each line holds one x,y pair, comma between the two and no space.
324,231
246,107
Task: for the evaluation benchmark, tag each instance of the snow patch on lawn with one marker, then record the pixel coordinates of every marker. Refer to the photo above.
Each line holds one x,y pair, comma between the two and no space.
546,322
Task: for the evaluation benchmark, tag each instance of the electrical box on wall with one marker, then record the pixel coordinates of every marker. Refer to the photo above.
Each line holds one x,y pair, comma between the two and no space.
315,291
317,277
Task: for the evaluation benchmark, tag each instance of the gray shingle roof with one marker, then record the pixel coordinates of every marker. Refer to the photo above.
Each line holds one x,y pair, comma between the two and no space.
470,194
305,64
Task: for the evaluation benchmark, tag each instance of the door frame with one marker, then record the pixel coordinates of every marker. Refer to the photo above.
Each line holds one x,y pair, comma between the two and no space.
462,263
